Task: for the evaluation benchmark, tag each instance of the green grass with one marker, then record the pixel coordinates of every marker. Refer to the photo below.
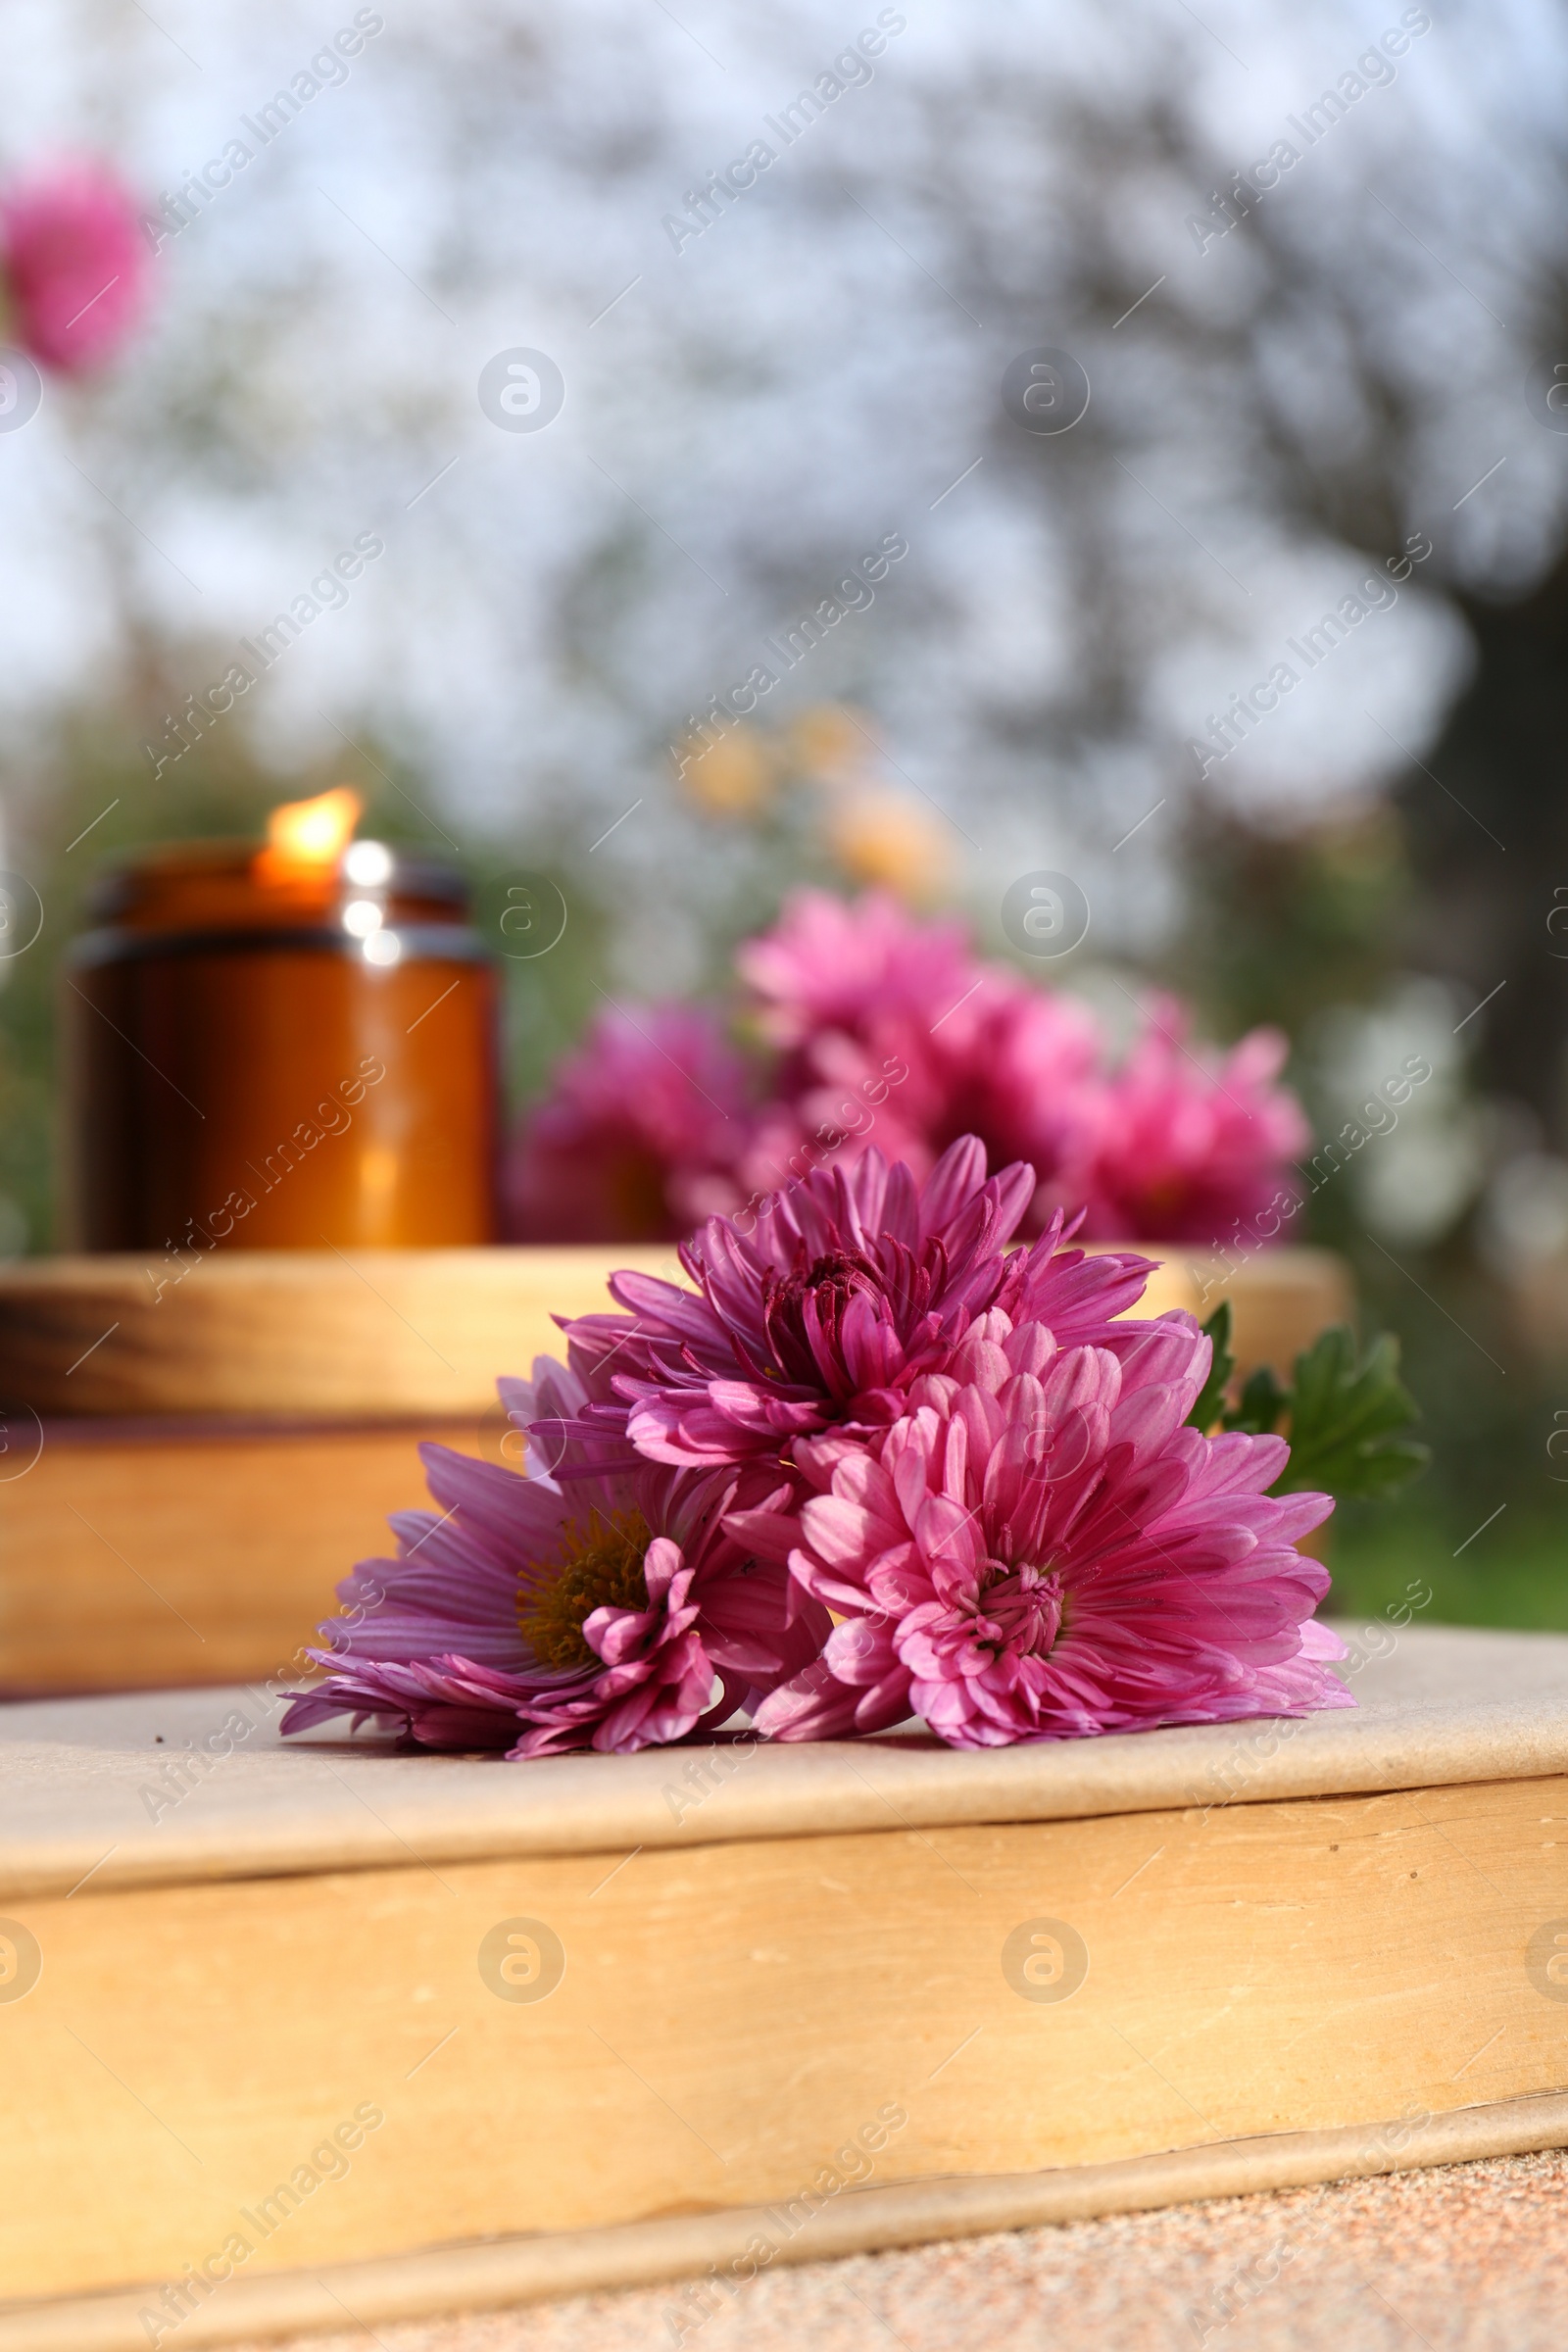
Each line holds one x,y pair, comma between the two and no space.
1505,1576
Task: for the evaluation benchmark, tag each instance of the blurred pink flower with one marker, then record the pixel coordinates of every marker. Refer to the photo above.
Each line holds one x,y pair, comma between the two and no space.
639,1134
824,1310
888,1032
1182,1144
891,1026
829,964
1040,1548
75,267
614,1613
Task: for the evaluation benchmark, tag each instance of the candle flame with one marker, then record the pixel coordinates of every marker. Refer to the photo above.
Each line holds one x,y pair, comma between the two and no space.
305,839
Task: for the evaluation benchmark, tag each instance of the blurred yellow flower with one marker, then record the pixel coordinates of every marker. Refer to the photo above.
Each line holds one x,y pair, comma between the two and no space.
830,743
879,838
732,777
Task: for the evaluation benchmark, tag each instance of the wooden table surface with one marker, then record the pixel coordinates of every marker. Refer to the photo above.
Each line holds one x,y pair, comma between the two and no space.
1466,2258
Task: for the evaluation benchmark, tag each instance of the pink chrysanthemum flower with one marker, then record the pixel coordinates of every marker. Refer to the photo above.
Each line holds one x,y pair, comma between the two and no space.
854,992
75,267
829,1307
638,1137
616,1615
829,965
1040,1548
1182,1147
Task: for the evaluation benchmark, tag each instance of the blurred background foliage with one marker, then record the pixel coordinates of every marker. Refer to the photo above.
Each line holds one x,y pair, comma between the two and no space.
1378,872
1317,932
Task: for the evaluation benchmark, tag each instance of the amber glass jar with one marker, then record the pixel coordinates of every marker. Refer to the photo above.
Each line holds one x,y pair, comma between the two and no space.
260,1057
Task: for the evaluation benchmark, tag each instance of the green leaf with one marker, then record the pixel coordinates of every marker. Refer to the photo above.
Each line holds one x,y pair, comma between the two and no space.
1211,1396
1264,1403
1348,1419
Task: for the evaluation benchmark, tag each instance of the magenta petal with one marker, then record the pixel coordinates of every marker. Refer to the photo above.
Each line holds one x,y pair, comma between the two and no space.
830,1311
1153,1583
433,1642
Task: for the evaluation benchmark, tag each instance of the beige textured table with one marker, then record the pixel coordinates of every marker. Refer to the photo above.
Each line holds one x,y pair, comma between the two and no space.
1469,2258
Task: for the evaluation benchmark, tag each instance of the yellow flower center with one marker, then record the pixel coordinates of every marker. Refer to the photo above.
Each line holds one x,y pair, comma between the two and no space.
602,1567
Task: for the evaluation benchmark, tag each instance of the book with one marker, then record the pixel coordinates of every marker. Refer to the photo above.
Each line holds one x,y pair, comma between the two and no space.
324,2027
323,1334
144,1553
195,1447
195,1450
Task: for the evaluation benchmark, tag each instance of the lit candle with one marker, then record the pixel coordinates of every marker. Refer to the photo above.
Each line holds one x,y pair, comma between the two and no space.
289,1045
